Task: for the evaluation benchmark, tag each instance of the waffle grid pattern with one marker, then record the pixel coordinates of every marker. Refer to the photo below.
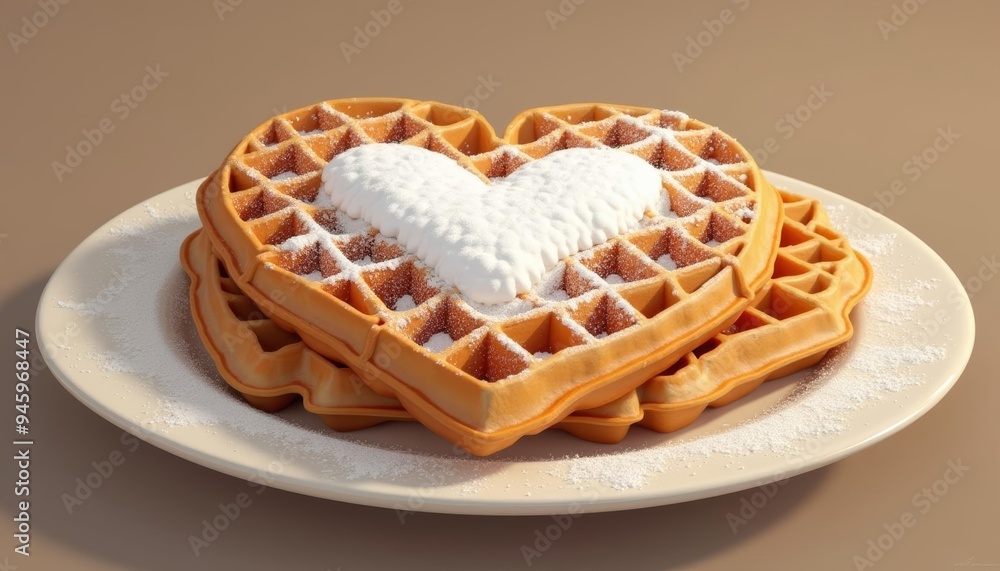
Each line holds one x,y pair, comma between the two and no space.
598,325
802,311
812,255
819,277
275,181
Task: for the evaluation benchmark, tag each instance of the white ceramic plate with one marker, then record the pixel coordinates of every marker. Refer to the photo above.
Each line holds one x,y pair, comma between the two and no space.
114,327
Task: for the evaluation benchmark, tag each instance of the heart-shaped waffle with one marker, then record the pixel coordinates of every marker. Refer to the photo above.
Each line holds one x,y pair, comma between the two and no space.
600,323
802,313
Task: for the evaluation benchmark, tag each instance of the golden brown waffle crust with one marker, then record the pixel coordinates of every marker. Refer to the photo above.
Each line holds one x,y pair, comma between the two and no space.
266,364
801,313
236,333
269,366
487,416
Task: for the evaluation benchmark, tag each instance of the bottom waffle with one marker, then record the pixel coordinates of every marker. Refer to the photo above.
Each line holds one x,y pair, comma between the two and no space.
799,314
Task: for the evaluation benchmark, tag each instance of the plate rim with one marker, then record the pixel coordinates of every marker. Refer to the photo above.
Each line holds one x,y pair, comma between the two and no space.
380,494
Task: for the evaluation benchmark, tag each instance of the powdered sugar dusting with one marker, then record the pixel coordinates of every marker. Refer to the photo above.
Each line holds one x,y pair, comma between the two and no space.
897,307
745,212
666,262
136,301
548,209
506,310
550,287
614,279
439,342
878,245
284,175
871,245
887,360
405,303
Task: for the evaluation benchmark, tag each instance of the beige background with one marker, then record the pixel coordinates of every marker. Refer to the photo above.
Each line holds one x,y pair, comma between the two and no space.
228,72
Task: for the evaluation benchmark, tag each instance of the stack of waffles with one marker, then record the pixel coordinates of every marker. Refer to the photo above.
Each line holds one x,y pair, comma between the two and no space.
301,289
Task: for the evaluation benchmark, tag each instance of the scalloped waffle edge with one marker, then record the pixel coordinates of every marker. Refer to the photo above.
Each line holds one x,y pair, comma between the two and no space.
247,347
800,314
245,344
488,390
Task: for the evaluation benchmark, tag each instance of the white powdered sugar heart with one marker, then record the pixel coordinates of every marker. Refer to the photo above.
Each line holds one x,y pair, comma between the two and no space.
492,241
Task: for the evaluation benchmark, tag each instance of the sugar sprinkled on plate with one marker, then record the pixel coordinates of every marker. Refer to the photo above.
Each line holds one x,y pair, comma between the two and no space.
137,305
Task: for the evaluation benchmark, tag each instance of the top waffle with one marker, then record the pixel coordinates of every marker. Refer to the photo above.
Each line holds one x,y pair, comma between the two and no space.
597,324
